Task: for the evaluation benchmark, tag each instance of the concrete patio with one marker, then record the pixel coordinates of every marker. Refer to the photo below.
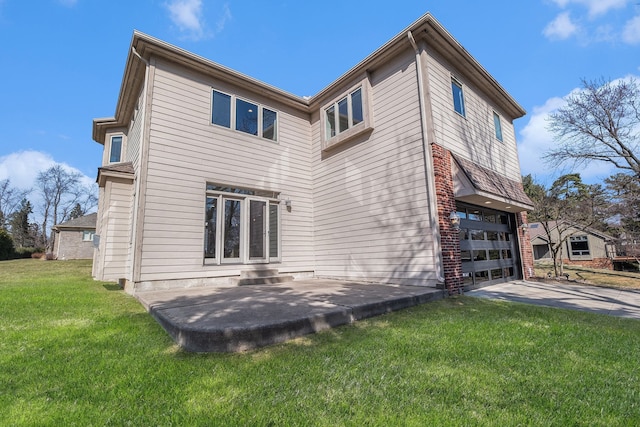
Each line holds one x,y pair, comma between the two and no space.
229,319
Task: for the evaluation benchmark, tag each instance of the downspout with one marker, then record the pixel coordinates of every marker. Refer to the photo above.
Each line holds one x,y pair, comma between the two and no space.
428,161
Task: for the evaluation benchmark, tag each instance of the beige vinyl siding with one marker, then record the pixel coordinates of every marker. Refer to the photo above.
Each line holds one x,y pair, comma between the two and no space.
134,136
114,230
186,151
96,266
371,211
473,136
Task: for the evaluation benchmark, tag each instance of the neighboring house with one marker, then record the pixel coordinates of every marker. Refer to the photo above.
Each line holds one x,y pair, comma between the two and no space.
210,176
583,246
74,238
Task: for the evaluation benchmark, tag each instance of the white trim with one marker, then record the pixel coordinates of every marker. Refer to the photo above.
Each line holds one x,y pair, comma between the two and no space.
232,116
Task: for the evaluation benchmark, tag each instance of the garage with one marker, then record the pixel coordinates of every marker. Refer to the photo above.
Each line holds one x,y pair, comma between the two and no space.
488,246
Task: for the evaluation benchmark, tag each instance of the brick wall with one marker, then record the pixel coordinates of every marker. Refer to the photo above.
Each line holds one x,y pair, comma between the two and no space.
69,245
449,237
526,249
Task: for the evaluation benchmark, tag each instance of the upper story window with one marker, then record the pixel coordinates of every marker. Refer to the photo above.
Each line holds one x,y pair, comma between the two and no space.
458,97
245,116
498,126
115,151
346,116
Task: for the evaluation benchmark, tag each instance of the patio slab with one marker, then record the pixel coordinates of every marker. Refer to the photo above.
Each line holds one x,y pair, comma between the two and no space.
230,319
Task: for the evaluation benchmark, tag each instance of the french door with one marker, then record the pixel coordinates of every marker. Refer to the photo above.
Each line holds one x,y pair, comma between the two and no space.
241,230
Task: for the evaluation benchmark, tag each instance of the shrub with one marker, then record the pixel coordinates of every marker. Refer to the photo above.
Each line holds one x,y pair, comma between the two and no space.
29,252
37,255
6,245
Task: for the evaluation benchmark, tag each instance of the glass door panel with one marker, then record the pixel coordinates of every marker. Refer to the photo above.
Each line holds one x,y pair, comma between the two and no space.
257,230
232,229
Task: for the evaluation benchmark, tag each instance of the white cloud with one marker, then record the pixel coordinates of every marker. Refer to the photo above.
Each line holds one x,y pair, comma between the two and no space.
631,31
226,16
560,28
535,141
22,168
595,7
187,16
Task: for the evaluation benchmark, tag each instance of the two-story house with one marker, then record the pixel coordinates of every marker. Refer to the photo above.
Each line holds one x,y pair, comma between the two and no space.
403,170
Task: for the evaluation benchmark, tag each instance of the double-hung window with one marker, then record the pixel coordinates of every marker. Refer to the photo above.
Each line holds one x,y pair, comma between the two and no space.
241,226
244,116
458,97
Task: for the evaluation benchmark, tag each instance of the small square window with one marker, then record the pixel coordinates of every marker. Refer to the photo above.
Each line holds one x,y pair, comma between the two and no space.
87,235
115,154
498,126
458,97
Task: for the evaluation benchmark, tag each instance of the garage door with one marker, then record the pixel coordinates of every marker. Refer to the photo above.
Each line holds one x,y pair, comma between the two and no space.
488,246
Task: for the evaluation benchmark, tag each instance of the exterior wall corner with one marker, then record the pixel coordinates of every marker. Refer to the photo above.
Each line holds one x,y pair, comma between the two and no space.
449,235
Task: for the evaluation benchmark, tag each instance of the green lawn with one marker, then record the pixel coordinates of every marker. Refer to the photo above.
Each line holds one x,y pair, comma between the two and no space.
78,352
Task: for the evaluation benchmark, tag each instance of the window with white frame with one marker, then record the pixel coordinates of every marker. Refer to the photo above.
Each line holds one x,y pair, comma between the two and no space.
115,149
579,245
458,97
87,235
244,116
497,126
241,225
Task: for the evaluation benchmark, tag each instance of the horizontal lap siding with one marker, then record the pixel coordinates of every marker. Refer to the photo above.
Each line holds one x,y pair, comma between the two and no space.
115,230
370,205
186,151
134,136
472,137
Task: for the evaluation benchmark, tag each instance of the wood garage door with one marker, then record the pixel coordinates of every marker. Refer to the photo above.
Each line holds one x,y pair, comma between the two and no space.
488,246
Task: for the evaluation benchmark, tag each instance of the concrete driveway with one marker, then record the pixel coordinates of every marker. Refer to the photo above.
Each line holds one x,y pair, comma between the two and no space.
613,302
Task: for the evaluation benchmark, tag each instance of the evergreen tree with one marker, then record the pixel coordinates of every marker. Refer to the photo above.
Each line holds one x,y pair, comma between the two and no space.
20,227
76,212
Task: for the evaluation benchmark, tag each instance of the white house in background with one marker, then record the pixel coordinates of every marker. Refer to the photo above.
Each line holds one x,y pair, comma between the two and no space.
403,170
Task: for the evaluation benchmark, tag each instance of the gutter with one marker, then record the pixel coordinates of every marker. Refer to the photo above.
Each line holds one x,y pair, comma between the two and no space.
428,160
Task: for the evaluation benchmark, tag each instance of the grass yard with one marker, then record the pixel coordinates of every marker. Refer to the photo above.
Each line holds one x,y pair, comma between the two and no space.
593,276
78,352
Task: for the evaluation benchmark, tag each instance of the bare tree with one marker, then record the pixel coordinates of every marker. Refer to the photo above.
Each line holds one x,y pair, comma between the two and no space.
567,204
601,122
10,198
60,191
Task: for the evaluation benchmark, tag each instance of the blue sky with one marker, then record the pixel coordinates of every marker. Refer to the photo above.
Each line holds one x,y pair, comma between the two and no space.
63,60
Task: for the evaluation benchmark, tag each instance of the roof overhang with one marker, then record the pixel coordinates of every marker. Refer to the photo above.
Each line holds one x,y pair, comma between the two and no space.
426,29
122,171
480,186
